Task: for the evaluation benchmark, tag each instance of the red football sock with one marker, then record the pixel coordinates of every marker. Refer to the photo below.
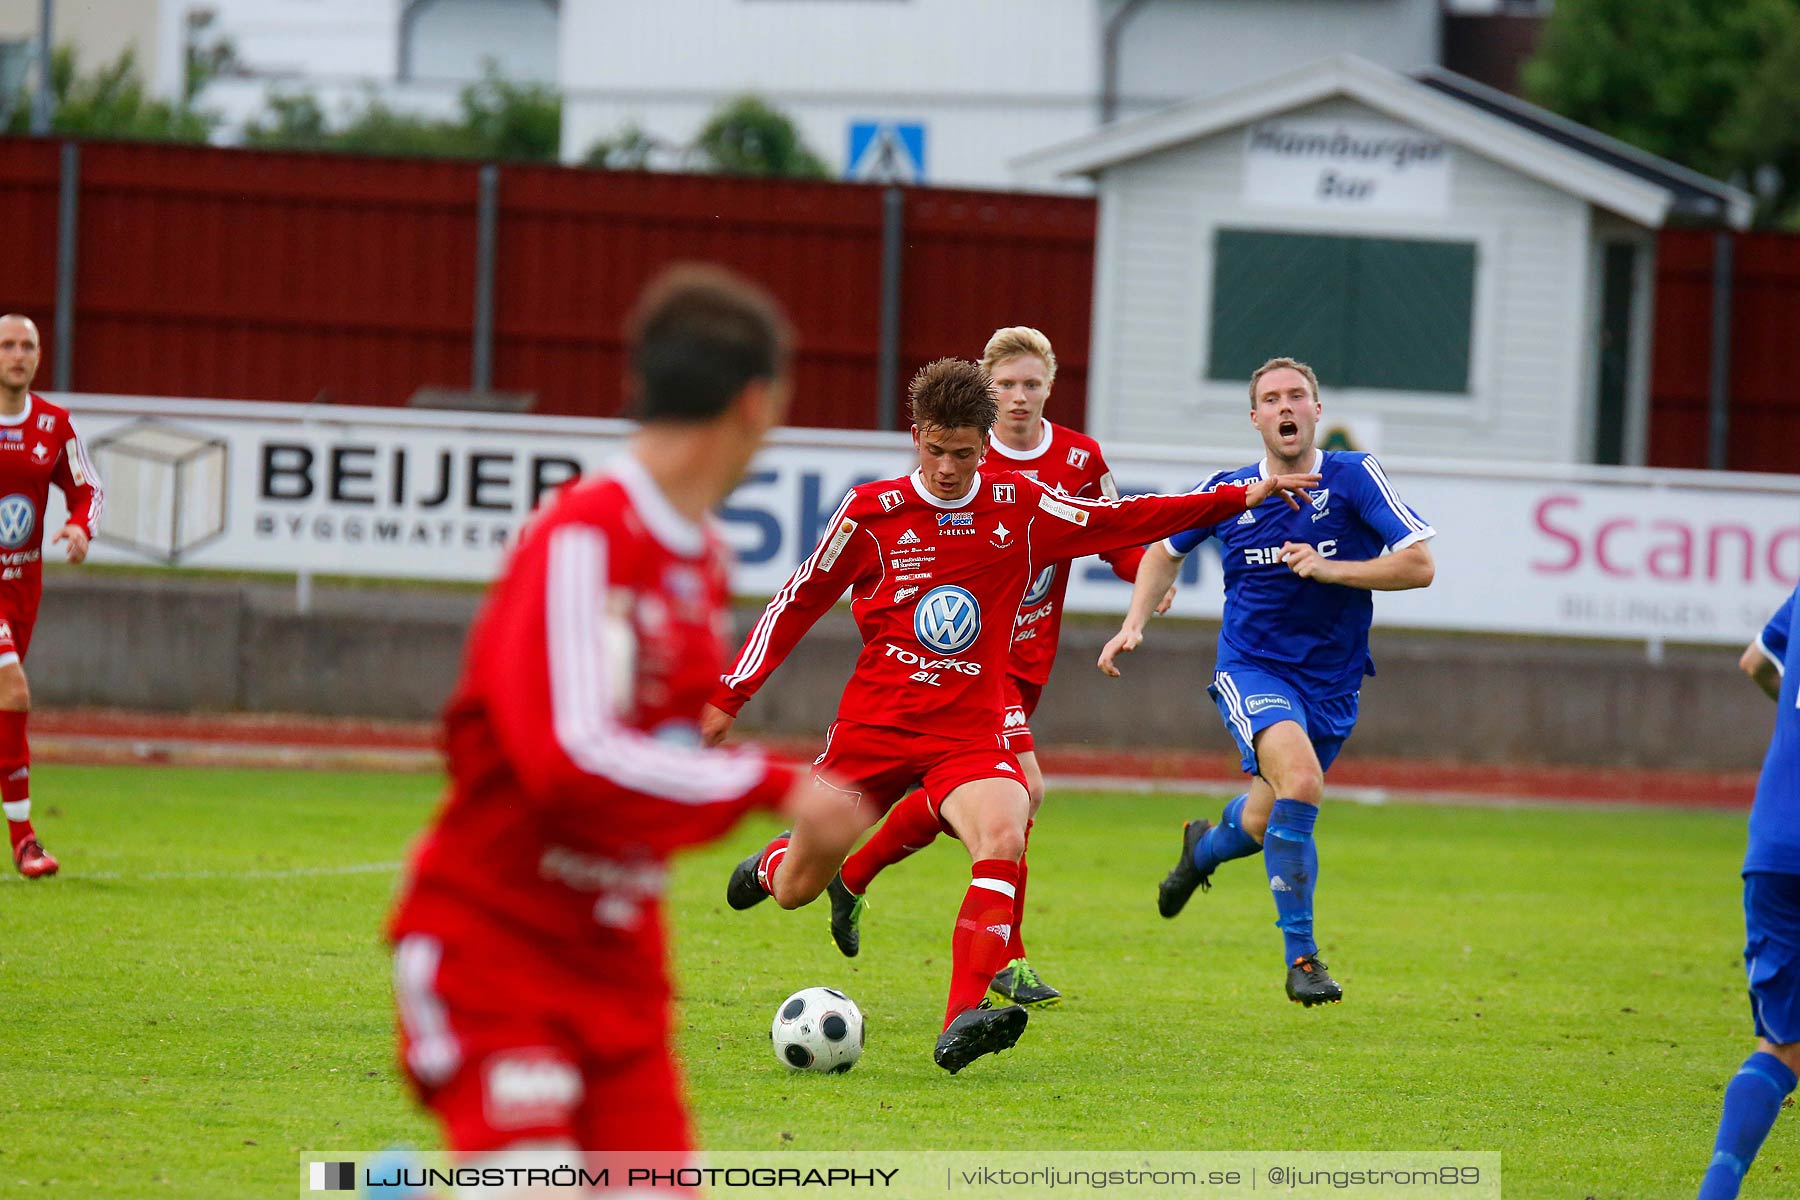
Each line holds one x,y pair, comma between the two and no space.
910,827
978,947
15,776
772,855
1015,945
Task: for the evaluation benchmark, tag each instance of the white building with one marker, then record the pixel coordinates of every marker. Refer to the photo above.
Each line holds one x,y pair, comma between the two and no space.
415,55
1470,275
945,91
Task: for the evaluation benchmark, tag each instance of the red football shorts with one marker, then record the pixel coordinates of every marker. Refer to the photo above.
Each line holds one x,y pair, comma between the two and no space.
505,1050
878,765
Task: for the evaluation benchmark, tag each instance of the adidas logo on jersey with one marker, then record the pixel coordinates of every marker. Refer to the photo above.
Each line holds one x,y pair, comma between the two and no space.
1249,518
909,538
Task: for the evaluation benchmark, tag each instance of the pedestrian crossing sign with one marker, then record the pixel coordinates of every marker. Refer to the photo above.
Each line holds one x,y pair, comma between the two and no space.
886,152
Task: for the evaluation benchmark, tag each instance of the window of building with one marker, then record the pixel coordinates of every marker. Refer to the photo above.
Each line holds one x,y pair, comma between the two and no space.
1389,314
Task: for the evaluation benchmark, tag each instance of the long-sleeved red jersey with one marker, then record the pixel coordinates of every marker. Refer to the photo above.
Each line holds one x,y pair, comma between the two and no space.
39,447
935,586
573,739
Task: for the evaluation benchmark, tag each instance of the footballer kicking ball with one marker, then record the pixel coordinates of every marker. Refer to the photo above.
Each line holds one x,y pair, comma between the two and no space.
818,1029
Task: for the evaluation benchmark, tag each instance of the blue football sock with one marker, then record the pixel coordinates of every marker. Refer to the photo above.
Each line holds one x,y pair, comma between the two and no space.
1226,840
1293,865
1752,1099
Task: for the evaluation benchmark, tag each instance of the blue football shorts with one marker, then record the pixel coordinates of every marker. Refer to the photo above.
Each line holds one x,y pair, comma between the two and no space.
1251,701
1772,954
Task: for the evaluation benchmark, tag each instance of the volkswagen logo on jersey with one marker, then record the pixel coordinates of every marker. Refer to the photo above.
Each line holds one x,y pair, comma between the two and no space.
947,620
17,519
1040,587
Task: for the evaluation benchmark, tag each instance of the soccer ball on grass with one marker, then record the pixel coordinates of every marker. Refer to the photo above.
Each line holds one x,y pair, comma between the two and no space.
818,1029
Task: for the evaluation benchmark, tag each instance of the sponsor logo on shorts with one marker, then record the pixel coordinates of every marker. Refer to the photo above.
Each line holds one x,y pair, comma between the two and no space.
530,1087
947,619
1256,704
18,517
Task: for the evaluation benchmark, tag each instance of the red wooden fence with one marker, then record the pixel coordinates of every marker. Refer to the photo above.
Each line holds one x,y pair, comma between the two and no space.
294,276
1765,329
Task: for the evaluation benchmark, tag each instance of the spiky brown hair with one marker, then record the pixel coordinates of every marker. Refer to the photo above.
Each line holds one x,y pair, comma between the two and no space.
953,394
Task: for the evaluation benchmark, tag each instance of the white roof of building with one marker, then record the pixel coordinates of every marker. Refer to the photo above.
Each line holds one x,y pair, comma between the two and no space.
1636,185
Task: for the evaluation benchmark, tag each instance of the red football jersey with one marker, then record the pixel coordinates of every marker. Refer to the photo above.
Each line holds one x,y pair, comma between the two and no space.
573,736
39,447
935,586
1068,462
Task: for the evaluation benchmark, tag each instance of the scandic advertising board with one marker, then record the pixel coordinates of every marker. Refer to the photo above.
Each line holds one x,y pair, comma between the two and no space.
1569,551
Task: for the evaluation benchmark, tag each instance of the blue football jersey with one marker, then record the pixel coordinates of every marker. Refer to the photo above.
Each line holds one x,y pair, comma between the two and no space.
1775,818
1314,634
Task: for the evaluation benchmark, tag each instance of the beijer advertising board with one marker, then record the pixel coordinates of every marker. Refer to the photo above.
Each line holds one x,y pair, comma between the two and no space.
1571,551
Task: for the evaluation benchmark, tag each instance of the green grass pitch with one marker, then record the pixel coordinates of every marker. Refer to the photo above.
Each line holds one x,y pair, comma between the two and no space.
202,995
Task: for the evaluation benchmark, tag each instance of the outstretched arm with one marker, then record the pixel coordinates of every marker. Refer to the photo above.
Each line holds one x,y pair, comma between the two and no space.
1077,526
1155,574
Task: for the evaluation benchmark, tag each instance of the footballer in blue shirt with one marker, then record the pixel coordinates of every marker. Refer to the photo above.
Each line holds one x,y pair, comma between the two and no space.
1771,917
1293,649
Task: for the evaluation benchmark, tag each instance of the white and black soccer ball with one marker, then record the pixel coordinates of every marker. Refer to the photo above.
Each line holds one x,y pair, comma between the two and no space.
818,1029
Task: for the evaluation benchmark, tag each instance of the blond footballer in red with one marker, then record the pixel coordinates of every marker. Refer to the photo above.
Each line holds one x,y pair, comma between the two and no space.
38,447
530,956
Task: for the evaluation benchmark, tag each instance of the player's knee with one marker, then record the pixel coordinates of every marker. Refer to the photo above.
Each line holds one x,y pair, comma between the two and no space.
1002,841
15,692
1305,784
1787,1052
